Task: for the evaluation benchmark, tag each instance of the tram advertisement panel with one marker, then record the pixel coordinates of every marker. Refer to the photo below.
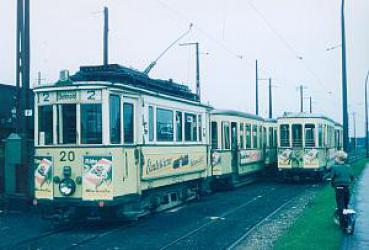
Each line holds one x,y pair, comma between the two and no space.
97,178
249,156
290,158
160,165
43,177
311,158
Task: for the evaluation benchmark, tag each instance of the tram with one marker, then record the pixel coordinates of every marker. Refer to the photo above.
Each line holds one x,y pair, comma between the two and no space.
110,142
238,144
307,144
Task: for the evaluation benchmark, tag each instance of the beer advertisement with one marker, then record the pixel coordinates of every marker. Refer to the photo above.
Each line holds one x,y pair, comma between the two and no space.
97,178
44,177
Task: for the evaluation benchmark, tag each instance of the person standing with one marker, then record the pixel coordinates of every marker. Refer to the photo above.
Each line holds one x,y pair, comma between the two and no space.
342,177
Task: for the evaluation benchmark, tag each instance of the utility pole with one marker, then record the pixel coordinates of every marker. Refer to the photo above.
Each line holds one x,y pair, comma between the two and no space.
270,99
198,89
344,81
301,98
366,116
311,104
106,35
354,123
256,89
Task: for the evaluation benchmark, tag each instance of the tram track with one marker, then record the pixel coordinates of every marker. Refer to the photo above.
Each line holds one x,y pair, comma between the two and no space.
233,210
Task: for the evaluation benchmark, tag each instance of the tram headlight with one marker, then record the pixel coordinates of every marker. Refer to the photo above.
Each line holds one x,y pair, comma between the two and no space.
67,187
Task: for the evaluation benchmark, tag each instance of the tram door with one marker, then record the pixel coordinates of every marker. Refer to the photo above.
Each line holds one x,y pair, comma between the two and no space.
234,147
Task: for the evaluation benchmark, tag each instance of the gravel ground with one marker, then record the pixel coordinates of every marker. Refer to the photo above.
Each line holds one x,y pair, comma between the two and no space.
268,232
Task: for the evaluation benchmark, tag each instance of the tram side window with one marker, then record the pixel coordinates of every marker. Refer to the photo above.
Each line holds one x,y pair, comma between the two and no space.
190,127
128,122
255,136
45,125
284,135
242,136
200,128
214,135
248,136
309,135
67,127
226,136
270,138
179,125
264,137
275,137
320,136
151,123
115,134
91,124
297,135
164,125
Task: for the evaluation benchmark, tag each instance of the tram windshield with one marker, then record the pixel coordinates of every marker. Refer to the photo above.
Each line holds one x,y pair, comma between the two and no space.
67,129
91,124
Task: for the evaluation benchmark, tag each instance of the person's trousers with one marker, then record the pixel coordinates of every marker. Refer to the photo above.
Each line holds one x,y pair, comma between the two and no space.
342,199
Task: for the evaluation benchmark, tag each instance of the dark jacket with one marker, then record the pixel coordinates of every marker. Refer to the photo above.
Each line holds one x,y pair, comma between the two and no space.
341,175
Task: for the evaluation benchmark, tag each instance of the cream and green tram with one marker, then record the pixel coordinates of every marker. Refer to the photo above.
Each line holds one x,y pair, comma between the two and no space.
237,151
111,142
306,145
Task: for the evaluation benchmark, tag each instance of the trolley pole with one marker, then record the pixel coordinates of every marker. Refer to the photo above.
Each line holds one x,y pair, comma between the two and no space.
344,81
270,99
198,88
366,116
106,35
256,89
301,98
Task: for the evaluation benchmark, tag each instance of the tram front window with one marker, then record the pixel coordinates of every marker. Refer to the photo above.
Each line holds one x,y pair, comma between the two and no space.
45,125
67,124
91,124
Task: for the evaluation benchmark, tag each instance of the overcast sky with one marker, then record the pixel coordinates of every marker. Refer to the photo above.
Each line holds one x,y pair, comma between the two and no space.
68,33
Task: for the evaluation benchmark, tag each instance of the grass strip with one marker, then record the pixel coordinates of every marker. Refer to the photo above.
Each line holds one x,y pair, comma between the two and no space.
314,229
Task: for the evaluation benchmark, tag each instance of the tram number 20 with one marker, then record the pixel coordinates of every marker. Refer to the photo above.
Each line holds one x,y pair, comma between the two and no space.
64,156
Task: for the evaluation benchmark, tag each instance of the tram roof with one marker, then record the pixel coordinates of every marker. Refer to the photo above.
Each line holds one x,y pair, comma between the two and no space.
308,115
236,113
120,74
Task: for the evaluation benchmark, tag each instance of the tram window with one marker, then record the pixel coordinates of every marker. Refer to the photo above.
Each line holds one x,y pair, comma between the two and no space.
200,128
190,127
248,136
264,137
115,134
45,125
225,135
179,125
320,136
284,135
309,135
151,123
234,135
275,137
128,122
297,135
67,123
164,125
255,137
242,143
270,138
91,121
214,135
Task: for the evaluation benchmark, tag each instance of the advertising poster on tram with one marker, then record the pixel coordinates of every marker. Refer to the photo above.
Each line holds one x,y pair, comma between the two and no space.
43,177
159,165
311,158
249,156
97,178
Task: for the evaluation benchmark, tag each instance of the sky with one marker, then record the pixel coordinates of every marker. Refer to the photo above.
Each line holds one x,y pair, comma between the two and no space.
289,38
